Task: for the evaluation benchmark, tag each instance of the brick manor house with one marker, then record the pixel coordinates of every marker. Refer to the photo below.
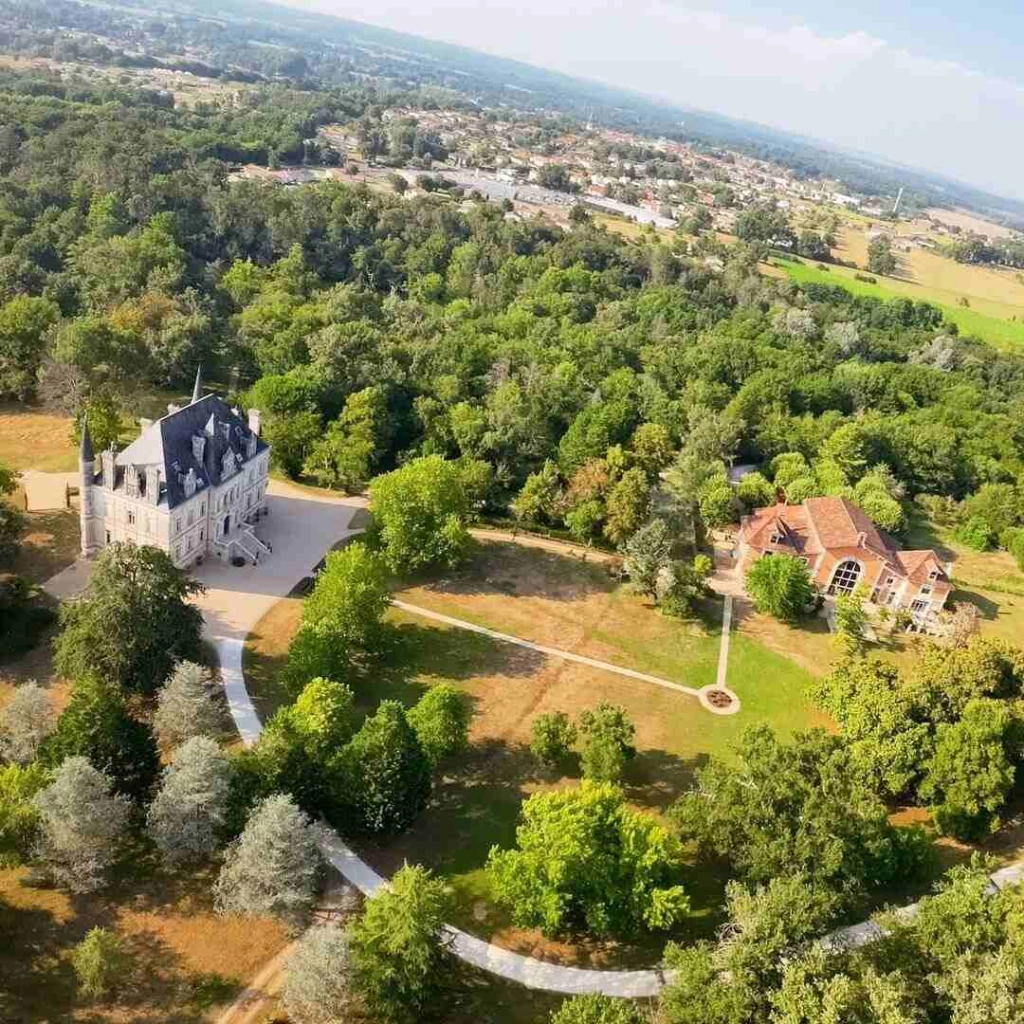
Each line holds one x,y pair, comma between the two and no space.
843,549
193,484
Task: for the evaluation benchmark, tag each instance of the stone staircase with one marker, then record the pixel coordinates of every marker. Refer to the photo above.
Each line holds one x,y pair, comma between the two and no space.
242,543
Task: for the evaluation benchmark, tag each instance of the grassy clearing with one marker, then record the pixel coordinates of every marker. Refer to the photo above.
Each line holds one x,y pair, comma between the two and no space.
997,330
575,606
32,438
188,961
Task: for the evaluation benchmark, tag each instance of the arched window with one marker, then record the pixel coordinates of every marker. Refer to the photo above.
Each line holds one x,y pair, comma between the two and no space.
845,578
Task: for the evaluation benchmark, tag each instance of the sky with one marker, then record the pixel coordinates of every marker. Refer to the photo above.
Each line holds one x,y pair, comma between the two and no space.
937,85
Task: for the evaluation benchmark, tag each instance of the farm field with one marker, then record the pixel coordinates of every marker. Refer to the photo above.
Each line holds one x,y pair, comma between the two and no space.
557,601
995,328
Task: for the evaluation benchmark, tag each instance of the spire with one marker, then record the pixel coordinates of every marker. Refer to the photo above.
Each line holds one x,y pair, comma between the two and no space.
197,391
85,452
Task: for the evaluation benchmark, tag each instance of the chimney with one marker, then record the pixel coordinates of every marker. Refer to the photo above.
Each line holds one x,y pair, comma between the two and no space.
144,424
198,446
153,485
255,421
172,408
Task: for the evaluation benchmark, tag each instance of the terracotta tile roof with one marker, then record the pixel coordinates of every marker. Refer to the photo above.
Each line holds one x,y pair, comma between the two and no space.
840,523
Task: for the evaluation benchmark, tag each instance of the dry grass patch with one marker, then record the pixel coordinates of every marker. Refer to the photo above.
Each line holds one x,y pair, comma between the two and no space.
31,438
51,542
188,960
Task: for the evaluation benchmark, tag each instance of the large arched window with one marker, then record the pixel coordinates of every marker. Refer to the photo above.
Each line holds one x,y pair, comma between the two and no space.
845,578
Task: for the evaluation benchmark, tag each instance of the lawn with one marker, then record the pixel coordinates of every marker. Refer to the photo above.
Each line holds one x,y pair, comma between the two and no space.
32,438
51,542
994,327
576,606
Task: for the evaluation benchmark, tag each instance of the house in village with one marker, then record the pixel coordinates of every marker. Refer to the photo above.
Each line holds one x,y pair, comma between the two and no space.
844,549
193,484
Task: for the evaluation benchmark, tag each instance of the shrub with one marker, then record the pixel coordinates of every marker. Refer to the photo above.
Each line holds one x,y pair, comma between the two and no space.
19,818
755,491
585,861
607,742
22,617
440,720
780,586
552,736
100,962
976,533
596,1009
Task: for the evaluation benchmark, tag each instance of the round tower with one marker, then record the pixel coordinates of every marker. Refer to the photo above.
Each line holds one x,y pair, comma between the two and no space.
86,499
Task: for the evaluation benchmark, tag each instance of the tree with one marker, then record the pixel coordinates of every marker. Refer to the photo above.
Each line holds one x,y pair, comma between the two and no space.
646,555
764,222
323,716
755,491
26,720
19,818
346,456
440,719
133,622
539,498
97,725
780,586
596,1009
585,861
101,962
387,772
584,520
186,706
551,738
782,809
187,818
12,522
851,619
608,737
984,988
292,436
881,258
274,865
627,505
25,322
420,513
681,585
81,826
557,177
342,617
651,448
717,503
969,775
813,246
399,946
318,977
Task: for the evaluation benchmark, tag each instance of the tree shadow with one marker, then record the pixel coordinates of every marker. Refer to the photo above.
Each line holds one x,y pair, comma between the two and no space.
657,778
987,608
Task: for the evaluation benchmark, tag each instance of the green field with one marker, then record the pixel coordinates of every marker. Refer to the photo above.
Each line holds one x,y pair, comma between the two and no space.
1000,333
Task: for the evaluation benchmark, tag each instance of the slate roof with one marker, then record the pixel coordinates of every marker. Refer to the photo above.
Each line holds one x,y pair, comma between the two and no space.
168,445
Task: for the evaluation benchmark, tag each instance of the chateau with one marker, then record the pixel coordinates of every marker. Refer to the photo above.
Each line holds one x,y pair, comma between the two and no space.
843,548
193,484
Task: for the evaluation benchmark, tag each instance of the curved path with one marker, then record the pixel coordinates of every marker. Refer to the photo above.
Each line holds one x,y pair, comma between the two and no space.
235,601
301,527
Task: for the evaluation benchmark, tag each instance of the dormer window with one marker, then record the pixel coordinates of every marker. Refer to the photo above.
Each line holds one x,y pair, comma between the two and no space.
777,538
934,574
